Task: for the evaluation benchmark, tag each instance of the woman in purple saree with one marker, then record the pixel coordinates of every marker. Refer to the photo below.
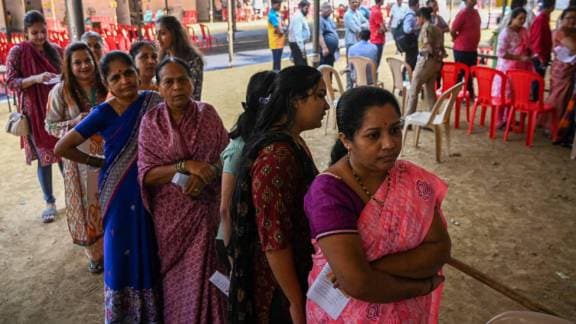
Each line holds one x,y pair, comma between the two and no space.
130,257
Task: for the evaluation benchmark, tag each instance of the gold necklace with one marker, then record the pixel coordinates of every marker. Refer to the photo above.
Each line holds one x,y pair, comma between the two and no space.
359,180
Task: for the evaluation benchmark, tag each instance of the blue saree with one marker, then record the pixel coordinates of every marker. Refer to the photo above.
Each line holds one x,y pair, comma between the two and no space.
131,281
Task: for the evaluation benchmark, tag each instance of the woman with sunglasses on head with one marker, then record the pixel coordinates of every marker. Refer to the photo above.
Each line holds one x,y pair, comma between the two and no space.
69,102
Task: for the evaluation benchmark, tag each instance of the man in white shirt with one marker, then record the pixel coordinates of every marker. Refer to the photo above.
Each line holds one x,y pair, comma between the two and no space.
396,14
299,33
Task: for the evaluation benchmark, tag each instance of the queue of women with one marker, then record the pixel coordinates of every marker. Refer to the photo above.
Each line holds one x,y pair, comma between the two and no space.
151,176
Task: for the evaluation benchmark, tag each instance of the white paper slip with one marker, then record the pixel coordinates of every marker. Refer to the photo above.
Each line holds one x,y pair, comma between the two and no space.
221,282
563,55
323,293
180,179
54,80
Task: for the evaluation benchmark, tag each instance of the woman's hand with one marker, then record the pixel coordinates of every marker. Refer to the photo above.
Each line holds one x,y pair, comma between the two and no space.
298,314
78,119
43,77
195,186
203,170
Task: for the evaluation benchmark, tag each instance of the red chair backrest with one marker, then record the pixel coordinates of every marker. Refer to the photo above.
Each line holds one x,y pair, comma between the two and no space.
521,85
450,73
484,78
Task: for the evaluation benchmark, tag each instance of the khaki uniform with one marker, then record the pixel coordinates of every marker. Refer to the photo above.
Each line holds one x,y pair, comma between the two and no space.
427,70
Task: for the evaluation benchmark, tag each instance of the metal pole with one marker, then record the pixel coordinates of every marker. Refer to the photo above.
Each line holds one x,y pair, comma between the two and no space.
166,7
75,19
211,8
316,35
230,33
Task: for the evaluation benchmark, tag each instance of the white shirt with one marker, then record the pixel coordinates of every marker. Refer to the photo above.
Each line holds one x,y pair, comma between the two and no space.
298,31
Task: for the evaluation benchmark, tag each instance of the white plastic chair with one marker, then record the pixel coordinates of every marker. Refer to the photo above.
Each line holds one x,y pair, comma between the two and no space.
526,317
329,74
398,82
435,119
360,63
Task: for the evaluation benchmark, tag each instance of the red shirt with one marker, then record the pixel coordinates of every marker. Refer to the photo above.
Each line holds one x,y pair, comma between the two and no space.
467,27
376,21
541,37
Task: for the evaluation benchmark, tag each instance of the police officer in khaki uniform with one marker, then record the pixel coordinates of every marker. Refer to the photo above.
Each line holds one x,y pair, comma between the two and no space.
431,53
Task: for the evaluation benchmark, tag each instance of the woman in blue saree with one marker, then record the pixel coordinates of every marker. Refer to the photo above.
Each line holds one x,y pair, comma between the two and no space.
130,254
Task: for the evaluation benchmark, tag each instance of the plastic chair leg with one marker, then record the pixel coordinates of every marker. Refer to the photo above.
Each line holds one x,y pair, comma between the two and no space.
327,120
404,136
468,110
493,115
457,113
438,141
508,122
448,139
532,118
471,122
417,137
482,116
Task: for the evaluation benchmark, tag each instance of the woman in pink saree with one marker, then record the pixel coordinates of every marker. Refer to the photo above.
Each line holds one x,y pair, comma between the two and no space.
513,54
377,221
185,137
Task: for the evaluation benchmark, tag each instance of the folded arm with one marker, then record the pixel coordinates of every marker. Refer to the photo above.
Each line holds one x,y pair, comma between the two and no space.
423,261
357,278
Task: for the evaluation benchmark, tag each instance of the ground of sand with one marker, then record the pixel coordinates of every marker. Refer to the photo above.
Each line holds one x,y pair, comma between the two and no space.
511,213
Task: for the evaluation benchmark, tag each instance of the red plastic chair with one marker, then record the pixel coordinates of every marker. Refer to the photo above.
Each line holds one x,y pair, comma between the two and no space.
450,73
521,85
206,36
484,78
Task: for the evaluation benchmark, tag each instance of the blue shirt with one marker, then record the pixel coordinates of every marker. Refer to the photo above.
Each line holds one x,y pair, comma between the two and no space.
365,49
409,25
354,21
328,31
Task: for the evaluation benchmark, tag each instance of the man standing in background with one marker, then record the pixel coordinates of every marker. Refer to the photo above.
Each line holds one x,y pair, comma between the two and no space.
410,28
377,29
275,34
466,36
354,22
299,33
396,13
328,35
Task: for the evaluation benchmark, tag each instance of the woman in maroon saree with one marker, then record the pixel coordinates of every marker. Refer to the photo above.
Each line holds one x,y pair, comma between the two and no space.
183,136
31,64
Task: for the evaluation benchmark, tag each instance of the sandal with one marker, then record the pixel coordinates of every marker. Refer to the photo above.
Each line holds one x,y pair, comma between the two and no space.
95,267
49,214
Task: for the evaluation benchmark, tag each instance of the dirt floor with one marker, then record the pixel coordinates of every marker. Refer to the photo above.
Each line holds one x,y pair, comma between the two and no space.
511,212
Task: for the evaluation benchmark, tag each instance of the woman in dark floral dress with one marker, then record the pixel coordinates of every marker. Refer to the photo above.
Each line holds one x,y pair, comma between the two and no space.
270,245
174,41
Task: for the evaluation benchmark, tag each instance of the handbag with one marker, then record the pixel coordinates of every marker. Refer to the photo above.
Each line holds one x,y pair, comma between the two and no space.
18,124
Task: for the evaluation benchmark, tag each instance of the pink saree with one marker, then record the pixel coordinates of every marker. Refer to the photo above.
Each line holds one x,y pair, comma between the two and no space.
185,227
396,219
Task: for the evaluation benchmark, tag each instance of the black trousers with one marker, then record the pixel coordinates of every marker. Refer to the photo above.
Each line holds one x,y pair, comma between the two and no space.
470,59
411,56
297,55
